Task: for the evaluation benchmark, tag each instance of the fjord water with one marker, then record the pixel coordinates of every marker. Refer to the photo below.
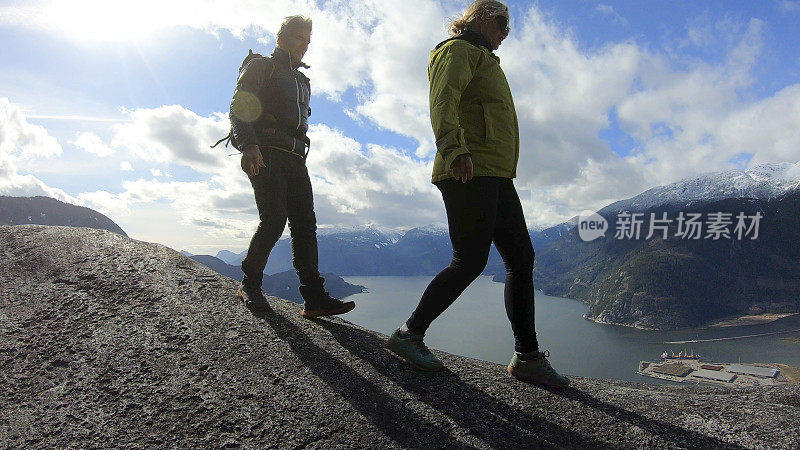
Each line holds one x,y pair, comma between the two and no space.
476,326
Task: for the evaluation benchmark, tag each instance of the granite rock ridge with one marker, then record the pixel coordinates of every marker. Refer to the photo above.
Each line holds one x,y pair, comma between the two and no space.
110,342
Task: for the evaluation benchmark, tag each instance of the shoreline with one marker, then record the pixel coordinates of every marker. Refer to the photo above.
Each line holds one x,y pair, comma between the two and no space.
750,319
730,322
794,339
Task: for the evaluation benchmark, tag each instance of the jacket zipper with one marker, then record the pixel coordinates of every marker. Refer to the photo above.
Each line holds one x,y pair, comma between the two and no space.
299,115
297,91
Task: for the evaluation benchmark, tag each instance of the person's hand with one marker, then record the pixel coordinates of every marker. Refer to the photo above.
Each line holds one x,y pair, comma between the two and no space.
252,160
462,168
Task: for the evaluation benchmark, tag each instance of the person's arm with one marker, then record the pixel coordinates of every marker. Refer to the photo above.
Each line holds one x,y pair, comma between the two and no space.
450,73
245,110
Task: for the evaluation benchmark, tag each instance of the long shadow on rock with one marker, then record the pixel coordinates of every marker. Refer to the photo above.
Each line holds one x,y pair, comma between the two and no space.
498,424
400,424
667,431
449,395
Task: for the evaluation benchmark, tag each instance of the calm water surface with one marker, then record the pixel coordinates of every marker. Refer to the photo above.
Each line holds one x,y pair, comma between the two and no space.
476,326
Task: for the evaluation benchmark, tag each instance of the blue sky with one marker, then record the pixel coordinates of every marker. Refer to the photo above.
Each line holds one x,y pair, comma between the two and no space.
112,105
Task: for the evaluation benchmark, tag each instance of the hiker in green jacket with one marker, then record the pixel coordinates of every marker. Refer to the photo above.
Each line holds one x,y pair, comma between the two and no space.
477,141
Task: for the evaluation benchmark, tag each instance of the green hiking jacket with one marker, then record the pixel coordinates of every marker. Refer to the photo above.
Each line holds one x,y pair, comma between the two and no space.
471,109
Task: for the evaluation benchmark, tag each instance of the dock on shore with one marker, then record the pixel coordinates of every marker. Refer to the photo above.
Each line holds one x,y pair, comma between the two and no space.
686,370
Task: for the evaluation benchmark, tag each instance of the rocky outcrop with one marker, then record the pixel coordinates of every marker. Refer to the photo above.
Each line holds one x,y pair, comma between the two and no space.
111,342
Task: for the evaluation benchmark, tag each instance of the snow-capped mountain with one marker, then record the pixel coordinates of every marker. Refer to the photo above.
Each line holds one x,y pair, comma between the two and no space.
430,230
370,250
230,257
671,281
364,233
762,182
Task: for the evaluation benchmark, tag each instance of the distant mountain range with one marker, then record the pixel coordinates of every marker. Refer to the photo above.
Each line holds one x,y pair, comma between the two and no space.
679,282
648,283
370,251
762,182
49,211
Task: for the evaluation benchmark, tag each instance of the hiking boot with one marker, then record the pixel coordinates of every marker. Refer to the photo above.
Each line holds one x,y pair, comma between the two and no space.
413,351
535,367
253,298
326,306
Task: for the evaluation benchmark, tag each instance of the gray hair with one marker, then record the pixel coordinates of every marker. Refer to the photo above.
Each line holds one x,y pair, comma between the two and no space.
476,10
293,23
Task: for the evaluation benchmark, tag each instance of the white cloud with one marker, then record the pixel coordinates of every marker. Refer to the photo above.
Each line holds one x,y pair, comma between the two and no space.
787,6
355,184
398,99
199,205
768,130
676,116
92,143
23,141
173,134
20,139
99,20
605,9
609,11
683,116
125,166
352,184
107,203
354,44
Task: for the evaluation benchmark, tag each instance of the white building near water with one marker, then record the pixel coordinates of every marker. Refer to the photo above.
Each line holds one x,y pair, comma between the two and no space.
754,371
713,375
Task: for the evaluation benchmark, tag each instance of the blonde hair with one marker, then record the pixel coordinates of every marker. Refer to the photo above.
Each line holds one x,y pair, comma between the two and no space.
476,10
294,23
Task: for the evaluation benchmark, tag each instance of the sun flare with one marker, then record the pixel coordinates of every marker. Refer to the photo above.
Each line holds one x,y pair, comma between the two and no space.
98,20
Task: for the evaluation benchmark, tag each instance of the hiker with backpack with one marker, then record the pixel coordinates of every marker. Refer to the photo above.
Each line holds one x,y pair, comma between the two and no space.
477,142
269,121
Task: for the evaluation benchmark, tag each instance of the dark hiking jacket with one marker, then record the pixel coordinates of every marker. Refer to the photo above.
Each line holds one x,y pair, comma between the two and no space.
270,106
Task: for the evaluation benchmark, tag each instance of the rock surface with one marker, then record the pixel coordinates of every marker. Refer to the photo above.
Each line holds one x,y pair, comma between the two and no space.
111,342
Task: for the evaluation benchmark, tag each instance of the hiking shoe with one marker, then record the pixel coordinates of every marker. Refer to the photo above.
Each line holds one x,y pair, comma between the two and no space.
536,369
413,351
253,298
326,306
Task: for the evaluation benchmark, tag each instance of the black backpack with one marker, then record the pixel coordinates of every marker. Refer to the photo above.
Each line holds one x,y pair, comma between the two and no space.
230,138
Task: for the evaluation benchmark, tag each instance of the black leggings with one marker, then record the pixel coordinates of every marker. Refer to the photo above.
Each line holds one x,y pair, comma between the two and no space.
479,212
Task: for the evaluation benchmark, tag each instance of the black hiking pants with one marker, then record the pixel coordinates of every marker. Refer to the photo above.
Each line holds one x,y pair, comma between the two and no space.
283,191
479,212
